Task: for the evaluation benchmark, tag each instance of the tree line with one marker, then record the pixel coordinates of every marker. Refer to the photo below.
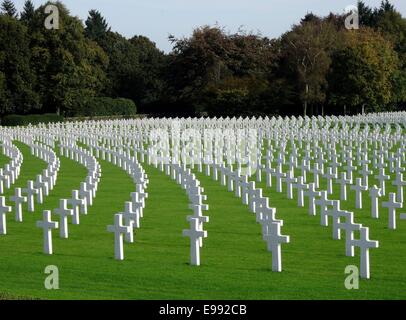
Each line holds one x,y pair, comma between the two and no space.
318,67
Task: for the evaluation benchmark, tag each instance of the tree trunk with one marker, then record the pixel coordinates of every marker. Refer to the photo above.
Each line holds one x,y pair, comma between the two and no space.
305,102
322,110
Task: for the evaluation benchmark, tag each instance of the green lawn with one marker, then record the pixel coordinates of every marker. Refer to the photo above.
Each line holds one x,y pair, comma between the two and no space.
235,263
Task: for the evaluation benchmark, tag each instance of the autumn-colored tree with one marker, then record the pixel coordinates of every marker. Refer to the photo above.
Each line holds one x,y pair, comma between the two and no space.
305,55
362,71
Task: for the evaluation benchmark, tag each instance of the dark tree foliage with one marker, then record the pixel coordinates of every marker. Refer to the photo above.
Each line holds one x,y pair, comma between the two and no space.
17,78
96,25
27,15
8,8
316,67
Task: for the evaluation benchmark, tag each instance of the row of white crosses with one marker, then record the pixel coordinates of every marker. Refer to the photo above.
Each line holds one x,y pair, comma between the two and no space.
80,201
163,154
332,149
361,184
130,219
36,190
189,151
124,222
318,171
188,181
260,206
11,171
40,188
250,195
123,151
8,175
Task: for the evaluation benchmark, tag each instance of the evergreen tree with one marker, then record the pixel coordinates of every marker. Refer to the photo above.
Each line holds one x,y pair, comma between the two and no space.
8,8
96,25
17,79
28,11
367,16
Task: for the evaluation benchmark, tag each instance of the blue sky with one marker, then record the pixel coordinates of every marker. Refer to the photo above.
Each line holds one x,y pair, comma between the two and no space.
159,18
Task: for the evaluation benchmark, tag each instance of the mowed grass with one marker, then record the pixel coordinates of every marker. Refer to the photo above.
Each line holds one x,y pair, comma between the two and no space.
235,262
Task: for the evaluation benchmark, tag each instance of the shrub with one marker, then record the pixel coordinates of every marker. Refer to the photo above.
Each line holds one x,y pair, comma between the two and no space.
102,106
19,120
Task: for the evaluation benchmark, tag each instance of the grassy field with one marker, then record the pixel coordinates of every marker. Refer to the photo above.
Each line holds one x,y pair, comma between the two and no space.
235,262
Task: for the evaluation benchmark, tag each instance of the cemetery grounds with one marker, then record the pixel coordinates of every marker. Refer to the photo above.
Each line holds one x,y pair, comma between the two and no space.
235,260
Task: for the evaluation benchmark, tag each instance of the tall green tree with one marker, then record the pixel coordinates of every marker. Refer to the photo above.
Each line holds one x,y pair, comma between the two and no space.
212,59
70,68
148,84
96,25
8,8
305,55
367,16
362,72
17,79
28,11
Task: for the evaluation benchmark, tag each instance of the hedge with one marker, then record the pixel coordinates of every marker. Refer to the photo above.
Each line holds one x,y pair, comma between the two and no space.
103,106
19,120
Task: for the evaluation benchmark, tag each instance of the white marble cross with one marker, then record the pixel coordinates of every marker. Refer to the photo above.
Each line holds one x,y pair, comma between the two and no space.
358,188
63,212
392,205
261,205
312,194
349,227
131,219
255,194
343,181
304,167
245,184
198,214
30,191
399,183
18,200
268,175
316,172
268,216
365,172
381,178
375,193
301,187
195,234
3,210
334,211
290,180
233,181
364,243
47,225
275,240
86,194
143,195
119,230
77,205
349,167
279,175
324,203
40,186
4,178
329,176
137,203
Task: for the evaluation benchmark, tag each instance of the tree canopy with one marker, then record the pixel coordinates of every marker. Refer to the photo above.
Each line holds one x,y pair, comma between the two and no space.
316,67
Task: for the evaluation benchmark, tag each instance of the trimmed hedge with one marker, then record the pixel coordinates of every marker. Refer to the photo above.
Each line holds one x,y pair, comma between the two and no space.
103,106
19,120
